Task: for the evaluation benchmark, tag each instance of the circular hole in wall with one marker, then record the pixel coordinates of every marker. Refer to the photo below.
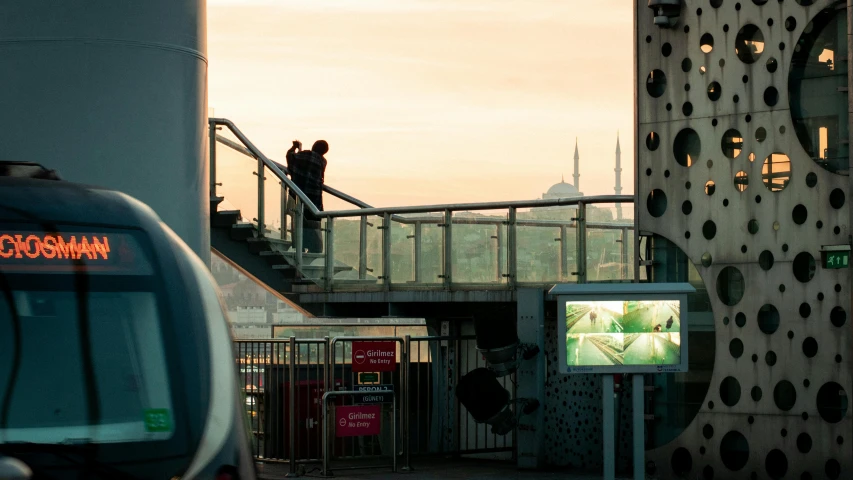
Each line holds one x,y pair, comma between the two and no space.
838,316
714,91
741,181
732,143
730,285
832,402
652,141
734,450
706,43
656,83
804,267
809,347
687,147
749,43
784,395
776,172
768,318
656,203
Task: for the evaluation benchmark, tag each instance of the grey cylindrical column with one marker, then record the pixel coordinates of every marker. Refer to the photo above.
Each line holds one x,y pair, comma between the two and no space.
112,94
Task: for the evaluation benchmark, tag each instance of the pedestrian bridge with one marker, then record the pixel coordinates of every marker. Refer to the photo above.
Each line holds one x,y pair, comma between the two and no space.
377,260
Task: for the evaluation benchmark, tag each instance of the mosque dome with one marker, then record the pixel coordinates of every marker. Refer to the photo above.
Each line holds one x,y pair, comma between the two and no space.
562,190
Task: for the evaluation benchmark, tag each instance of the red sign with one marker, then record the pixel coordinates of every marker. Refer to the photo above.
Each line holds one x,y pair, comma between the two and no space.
357,421
374,356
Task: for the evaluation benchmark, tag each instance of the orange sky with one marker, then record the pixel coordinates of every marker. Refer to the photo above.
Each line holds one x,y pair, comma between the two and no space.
431,101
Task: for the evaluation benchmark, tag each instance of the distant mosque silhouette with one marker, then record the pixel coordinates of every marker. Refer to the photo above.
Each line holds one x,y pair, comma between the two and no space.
567,190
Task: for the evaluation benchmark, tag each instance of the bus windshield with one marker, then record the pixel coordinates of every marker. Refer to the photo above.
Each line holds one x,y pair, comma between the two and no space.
82,357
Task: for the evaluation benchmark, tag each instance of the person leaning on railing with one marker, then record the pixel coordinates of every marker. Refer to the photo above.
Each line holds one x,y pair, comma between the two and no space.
307,170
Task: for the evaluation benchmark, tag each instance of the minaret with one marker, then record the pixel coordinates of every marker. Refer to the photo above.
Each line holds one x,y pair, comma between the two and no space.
618,188
577,162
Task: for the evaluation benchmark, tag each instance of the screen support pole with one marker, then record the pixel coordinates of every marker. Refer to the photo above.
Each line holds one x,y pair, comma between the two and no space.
639,427
608,426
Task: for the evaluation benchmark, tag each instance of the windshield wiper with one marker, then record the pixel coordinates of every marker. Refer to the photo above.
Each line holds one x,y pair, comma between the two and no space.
67,452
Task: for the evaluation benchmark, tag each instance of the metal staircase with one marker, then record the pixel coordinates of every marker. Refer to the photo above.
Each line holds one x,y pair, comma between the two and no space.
481,247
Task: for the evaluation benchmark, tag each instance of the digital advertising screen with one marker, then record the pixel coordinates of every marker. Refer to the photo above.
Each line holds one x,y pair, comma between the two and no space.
637,333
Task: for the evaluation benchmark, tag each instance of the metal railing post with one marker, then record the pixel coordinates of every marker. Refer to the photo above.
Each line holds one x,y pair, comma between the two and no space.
394,433
511,240
416,262
564,252
283,210
262,230
386,251
298,215
499,244
328,386
624,254
325,472
362,249
291,404
406,403
581,243
329,276
212,156
447,248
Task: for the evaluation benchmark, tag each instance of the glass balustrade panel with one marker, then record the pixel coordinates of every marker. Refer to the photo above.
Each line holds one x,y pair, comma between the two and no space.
236,173
545,240
478,250
610,242
357,265
273,219
402,251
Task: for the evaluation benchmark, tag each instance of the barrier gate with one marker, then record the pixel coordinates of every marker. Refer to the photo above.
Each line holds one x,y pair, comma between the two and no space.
285,383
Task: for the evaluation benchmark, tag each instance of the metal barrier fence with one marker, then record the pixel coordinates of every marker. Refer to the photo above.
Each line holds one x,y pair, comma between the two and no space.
284,400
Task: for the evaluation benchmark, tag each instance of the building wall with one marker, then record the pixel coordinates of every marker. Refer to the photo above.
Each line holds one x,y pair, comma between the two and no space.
773,407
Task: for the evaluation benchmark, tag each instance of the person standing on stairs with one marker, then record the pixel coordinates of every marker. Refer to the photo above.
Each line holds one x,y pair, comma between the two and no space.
307,170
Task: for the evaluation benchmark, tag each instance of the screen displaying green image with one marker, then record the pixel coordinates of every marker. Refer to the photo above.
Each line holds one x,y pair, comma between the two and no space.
603,333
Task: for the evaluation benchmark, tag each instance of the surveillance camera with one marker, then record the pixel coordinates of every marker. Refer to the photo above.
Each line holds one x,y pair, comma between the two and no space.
666,12
488,402
498,342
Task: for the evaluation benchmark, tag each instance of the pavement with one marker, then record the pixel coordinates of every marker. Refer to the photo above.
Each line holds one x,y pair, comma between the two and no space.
434,469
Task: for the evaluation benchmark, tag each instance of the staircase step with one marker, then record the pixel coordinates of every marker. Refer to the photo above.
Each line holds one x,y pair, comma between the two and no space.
263,244
310,269
242,231
224,218
306,288
290,255
355,281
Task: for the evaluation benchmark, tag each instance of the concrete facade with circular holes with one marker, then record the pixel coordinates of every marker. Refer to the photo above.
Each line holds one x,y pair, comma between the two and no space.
771,392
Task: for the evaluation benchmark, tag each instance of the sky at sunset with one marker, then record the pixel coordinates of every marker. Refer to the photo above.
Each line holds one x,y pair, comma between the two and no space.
431,101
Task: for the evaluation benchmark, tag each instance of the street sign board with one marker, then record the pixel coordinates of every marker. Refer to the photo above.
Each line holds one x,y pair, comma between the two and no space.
378,356
837,259
356,421
375,388
368,377
370,398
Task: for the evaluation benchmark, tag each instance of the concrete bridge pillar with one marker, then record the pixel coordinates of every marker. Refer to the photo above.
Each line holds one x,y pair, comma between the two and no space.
112,94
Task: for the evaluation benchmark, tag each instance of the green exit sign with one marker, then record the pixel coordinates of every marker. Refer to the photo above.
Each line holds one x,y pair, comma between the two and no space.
837,259
368,377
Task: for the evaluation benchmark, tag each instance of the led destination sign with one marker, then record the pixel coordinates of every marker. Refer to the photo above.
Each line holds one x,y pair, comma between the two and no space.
62,252
50,246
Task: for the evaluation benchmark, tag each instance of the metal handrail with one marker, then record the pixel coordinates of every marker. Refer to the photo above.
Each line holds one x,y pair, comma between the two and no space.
253,151
326,188
419,215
